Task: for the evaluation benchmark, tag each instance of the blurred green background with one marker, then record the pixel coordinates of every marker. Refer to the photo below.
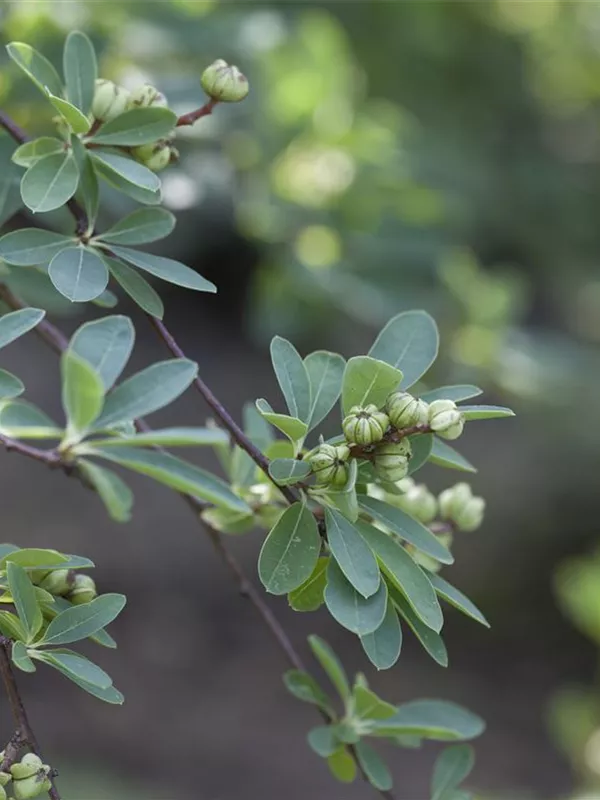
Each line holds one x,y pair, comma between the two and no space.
391,155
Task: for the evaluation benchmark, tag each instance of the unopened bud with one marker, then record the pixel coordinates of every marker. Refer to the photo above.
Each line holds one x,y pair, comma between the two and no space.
459,505
83,590
404,410
3,794
224,82
28,766
391,460
155,156
446,419
5,777
366,425
146,96
328,464
420,503
59,581
109,100
31,787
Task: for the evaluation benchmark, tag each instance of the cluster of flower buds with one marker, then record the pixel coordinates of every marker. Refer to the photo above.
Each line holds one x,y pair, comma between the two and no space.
224,83
366,425
418,501
460,506
29,776
74,586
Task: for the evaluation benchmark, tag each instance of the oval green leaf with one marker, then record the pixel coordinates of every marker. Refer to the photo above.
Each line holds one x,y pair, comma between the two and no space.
31,246
137,287
353,611
292,377
16,323
136,127
290,552
50,182
410,343
165,268
81,621
325,374
352,553
79,274
368,380
140,227
80,69
106,345
383,645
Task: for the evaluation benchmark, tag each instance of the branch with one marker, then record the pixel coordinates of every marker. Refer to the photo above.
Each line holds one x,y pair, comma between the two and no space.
194,116
49,457
24,733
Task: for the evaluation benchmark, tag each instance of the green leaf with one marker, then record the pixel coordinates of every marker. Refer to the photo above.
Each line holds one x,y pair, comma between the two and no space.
117,181
292,427
353,611
405,574
323,740
72,665
486,412
290,552
432,719
35,66
374,767
445,456
77,121
138,126
106,345
15,324
292,377
165,268
82,394
431,641
344,499
136,287
127,169
237,463
88,191
35,558
174,472
325,374
109,694
456,598
112,490
410,343
352,553
421,444
11,627
304,687
140,227
10,195
30,152
81,621
20,657
286,471
31,246
452,766
456,393
80,69
367,380
169,437
147,391
25,599
367,705
22,420
331,665
407,528
342,765
383,645
10,385
50,182
79,274
309,596
62,604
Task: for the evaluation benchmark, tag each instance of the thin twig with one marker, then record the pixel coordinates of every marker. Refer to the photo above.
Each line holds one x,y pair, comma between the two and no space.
49,457
198,113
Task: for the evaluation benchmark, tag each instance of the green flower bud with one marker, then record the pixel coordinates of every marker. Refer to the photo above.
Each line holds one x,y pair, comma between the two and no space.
471,514
146,96
459,505
328,464
59,581
391,460
365,425
109,100
404,410
5,777
156,156
83,590
29,765
420,503
31,787
446,419
3,794
223,82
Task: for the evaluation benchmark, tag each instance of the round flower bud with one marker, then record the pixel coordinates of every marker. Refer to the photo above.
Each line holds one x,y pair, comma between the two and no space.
28,766
224,83
5,777
83,590
3,794
109,100
459,505
446,419
146,96
31,787
470,516
328,464
420,503
59,581
391,460
156,156
365,425
404,410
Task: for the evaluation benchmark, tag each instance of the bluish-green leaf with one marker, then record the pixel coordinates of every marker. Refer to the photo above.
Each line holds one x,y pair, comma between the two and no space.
106,345
74,665
352,553
79,274
127,169
486,412
147,391
30,152
75,119
286,471
451,767
431,641
368,380
292,377
236,462
325,373
11,626
20,658
35,66
305,688
342,765
165,268
112,490
405,574
25,599
16,323
409,529
81,621
353,611
323,740
373,766
421,444
309,596
456,393
331,665
10,385
432,719
50,182
169,437
140,227
410,343
149,197
292,427
80,70
290,552
136,127
22,420
383,645
88,191
82,393
445,456
136,287
456,598
31,246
